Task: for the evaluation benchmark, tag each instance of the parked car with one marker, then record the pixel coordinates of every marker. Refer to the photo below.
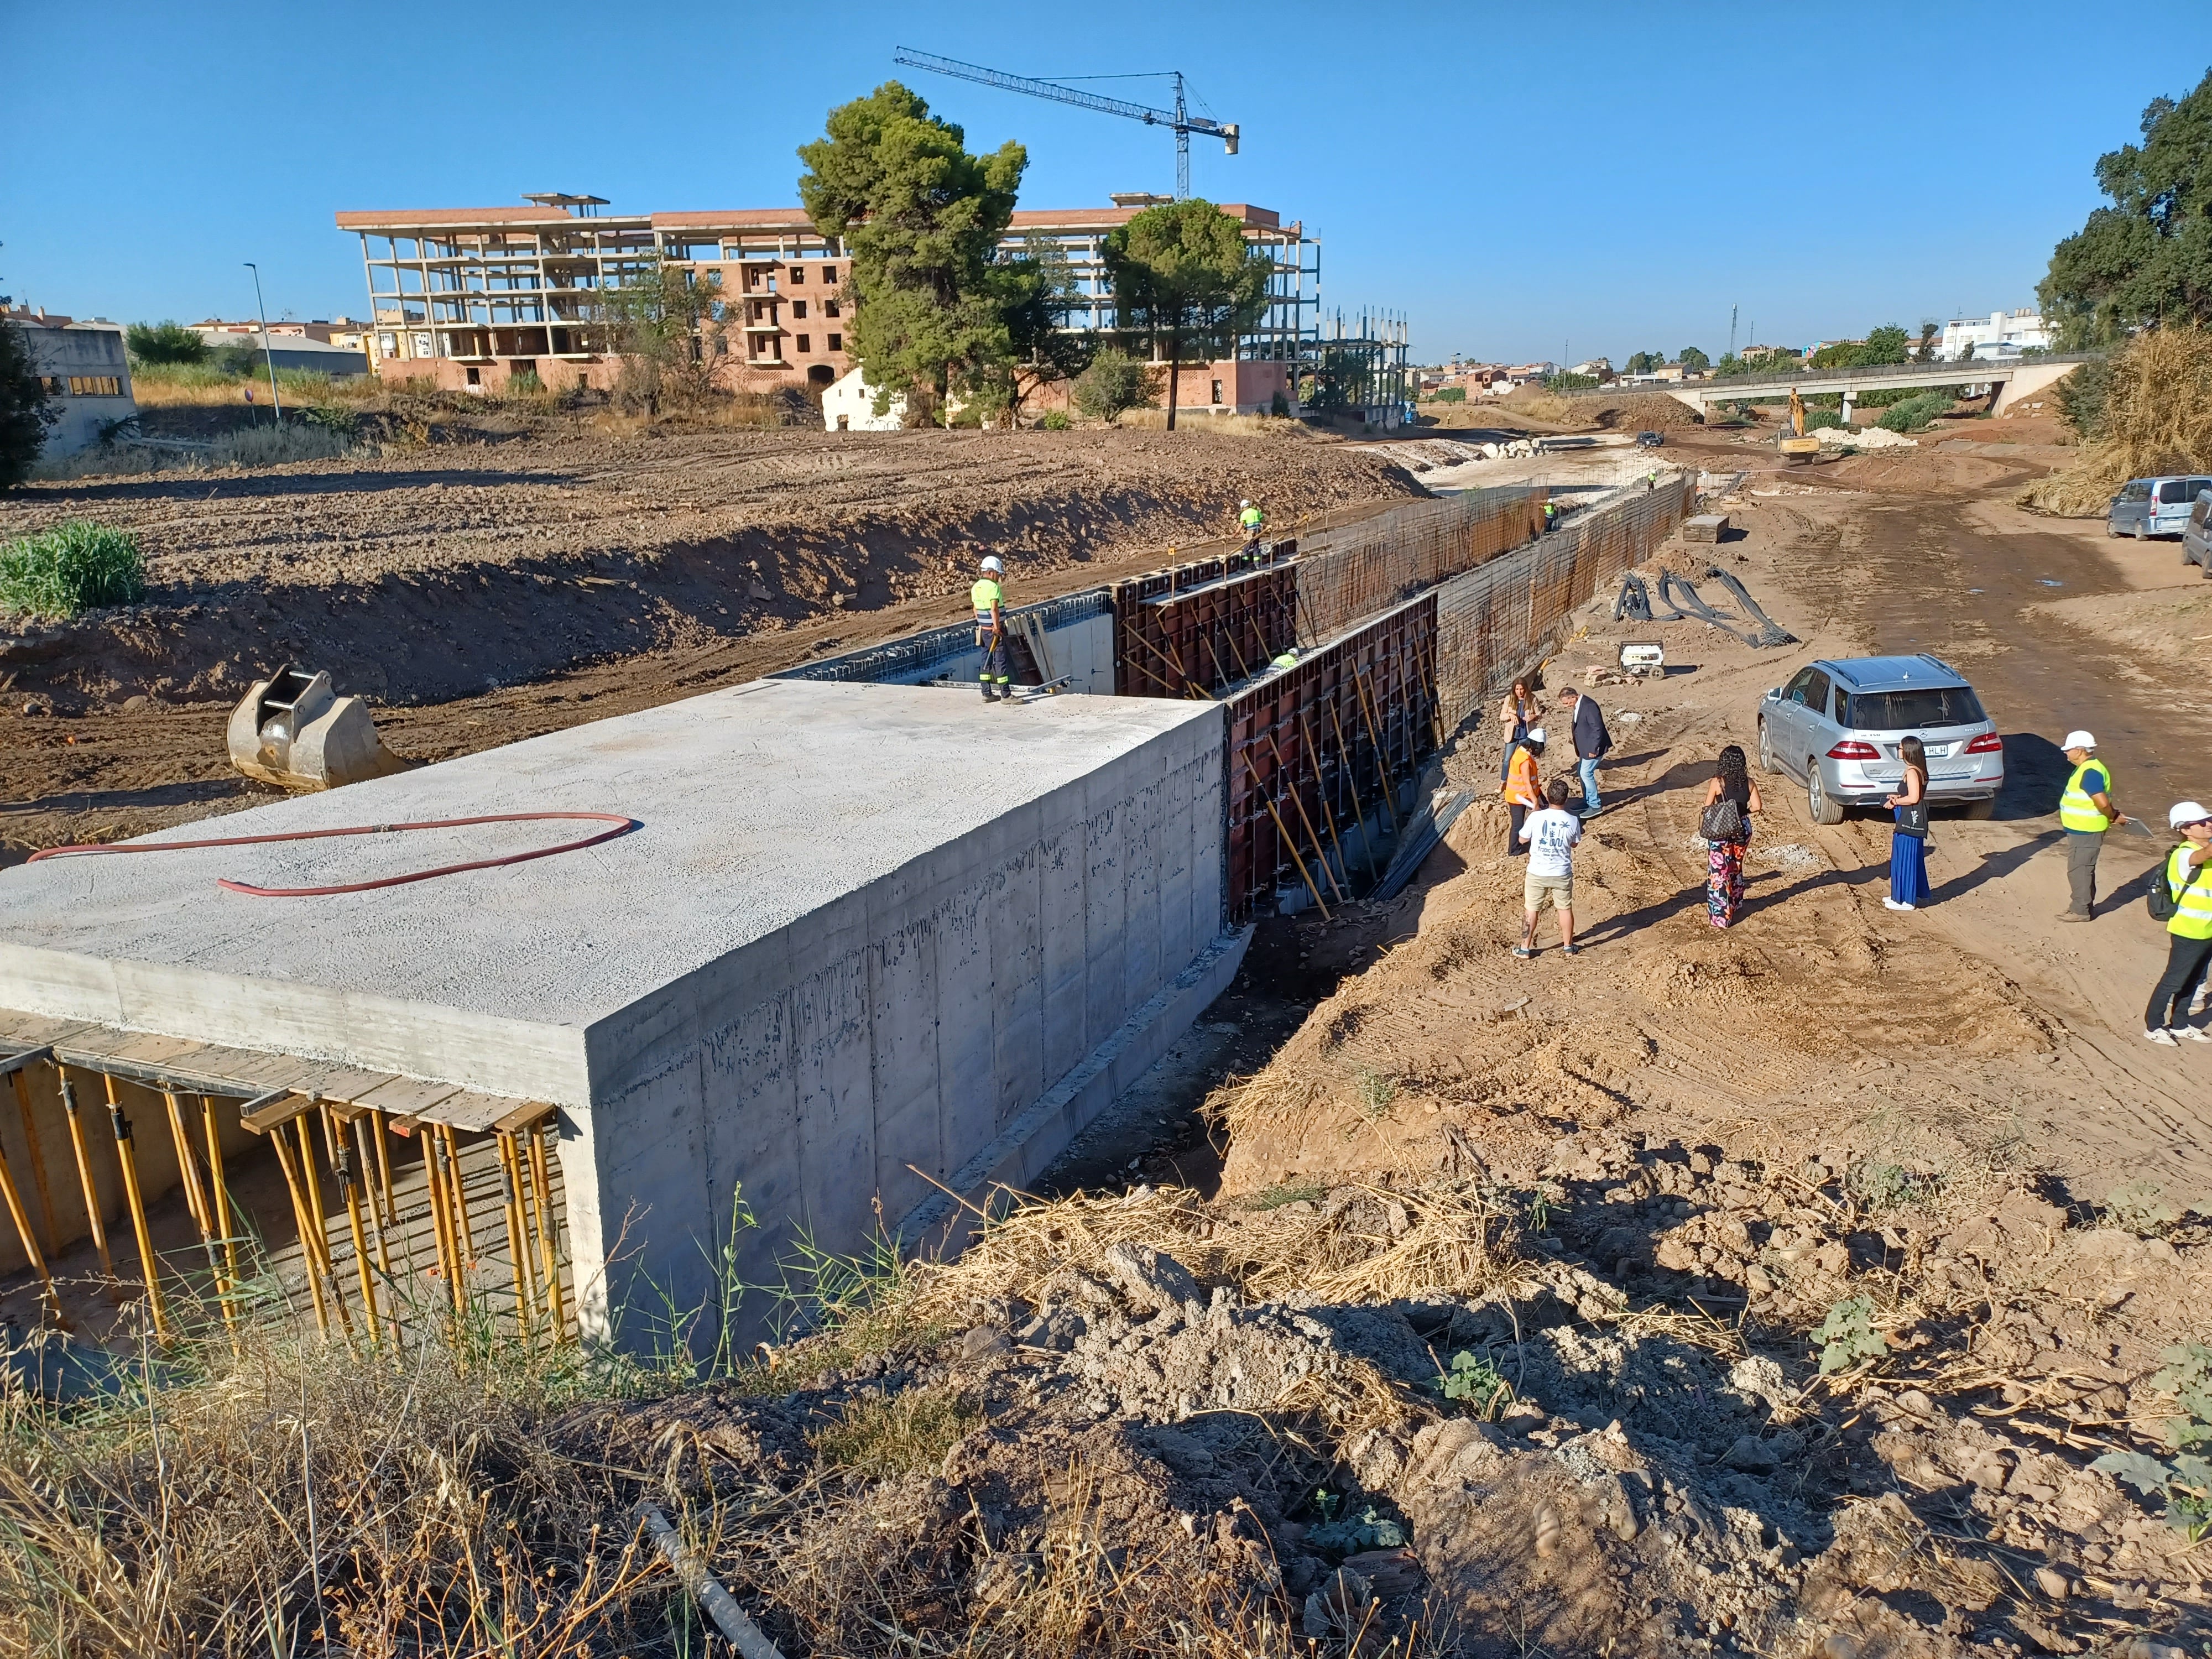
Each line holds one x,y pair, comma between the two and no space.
1837,725
2196,534
1650,440
2153,507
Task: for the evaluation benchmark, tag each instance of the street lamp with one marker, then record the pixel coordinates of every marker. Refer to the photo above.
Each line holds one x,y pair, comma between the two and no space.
267,356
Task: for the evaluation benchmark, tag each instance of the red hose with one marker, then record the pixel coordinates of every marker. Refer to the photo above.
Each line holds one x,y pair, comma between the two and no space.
623,827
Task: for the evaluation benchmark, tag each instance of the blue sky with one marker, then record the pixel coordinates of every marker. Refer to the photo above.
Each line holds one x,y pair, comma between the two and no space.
1512,177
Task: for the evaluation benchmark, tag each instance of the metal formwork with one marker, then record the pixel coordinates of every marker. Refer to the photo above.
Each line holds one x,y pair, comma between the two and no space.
1202,639
1349,574
1320,751
1143,667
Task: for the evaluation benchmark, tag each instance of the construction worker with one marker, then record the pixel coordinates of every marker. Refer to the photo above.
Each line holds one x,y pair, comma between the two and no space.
1523,790
989,599
1251,520
1550,517
2189,885
2085,812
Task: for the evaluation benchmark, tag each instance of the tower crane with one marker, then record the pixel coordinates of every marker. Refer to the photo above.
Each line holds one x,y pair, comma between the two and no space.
1179,117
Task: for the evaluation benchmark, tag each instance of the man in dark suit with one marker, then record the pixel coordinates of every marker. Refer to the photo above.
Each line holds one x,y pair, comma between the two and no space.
1591,740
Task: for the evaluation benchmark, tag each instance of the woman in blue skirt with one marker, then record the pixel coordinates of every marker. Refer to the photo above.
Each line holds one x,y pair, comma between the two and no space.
1908,842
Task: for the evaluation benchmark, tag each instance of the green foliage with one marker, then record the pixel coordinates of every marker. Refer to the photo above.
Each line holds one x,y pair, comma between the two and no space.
1817,420
524,383
1547,1197
164,343
25,411
1847,1335
2081,398
1370,1529
1478,1383
1695,360
1646,362
241,360
1055,419
875,1437
1925,351
1182,273
2185,1483
2147,259
1289,1192
2141,1207
1280,406
1114,381
1886,344
667,326
74,567
1910,414
1564,382
1375,1092
1035,292
921,219
1450,394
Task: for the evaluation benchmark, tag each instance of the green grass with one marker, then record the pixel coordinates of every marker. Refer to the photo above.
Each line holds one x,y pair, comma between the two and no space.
75,567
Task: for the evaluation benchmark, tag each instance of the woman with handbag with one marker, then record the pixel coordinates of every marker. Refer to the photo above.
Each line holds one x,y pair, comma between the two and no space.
1724,820
1519,712
1908,842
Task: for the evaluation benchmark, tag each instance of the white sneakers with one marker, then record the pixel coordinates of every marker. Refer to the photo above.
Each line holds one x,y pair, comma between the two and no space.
2174,1037
2194,1034
2159,1034
1893,904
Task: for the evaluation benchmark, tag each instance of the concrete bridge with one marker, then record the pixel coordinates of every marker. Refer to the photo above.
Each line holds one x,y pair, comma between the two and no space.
2014,378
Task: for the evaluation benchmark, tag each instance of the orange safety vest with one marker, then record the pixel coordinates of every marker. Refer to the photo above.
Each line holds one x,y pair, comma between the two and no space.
1520,778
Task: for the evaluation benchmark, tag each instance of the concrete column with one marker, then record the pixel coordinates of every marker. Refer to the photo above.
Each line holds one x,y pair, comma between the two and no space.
1847,405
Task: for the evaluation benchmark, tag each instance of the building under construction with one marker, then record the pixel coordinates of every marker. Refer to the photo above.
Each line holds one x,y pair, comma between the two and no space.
470,298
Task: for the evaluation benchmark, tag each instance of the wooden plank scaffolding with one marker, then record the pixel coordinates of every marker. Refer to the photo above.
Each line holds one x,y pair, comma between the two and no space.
418,1207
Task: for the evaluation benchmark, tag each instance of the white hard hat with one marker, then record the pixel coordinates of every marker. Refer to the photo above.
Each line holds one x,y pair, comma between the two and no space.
1536,734
1247,501
2187,812
2078,740
991,563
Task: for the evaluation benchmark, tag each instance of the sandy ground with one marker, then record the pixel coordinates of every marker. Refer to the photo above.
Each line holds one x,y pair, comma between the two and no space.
478,594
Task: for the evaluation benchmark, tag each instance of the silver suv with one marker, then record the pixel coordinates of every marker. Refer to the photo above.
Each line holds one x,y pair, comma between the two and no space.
2196,534
1838,725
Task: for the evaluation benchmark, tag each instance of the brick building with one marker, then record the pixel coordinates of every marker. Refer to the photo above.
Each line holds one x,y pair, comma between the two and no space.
466,298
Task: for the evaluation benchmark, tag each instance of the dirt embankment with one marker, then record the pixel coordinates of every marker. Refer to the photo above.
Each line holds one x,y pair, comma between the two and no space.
437,573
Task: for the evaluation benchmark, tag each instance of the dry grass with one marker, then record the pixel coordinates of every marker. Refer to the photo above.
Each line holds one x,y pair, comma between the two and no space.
204,386
1534,401
878,1435
2157,419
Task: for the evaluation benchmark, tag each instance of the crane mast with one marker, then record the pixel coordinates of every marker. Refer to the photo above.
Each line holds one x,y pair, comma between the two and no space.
1180,119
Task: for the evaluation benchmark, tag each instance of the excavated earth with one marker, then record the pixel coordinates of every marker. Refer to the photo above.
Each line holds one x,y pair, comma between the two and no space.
478,593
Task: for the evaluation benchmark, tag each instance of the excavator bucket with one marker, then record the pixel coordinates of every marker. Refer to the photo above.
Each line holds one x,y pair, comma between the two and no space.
292,729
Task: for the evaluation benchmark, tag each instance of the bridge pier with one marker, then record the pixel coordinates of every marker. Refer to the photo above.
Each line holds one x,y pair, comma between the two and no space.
1847,405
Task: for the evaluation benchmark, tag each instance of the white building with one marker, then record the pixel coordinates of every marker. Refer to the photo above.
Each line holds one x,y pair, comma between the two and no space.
87,376
848,404
2005,334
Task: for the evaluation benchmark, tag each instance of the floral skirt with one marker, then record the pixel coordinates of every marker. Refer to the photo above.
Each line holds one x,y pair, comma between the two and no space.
1724,881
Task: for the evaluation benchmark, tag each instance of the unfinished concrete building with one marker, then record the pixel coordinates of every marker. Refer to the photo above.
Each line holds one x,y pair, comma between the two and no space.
783,952
468,298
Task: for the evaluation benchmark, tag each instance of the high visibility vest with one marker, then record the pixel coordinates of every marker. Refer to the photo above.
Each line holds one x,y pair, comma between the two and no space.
1520,778
2075,810
983,596
1251,517
2192,899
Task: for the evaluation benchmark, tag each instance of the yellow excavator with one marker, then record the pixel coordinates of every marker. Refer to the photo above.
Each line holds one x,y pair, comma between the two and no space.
1794,443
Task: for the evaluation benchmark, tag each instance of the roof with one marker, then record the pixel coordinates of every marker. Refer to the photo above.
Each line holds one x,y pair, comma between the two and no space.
1256,218
423,218
1893,673
784,218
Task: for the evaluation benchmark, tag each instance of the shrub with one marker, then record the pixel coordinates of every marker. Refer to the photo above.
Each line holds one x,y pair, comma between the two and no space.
1114,381
1817,420
164,343
25,412
74,567
1450,394
1915,413
1280,408
524,383
1055,419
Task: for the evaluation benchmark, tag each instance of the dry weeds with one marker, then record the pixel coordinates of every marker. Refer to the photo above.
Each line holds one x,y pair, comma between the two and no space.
2158,419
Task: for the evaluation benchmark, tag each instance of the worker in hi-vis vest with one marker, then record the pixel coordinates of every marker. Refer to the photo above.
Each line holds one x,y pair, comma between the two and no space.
989,599
2085,812
2189,929
1251,520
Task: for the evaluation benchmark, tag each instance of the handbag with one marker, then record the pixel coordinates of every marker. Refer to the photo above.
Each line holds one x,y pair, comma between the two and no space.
1913,820
2163,905
1721,821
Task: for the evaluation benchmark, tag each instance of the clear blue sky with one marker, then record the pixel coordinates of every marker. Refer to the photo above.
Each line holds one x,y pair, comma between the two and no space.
1512,177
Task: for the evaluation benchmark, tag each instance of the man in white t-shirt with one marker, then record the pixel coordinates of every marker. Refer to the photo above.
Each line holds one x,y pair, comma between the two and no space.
1551,835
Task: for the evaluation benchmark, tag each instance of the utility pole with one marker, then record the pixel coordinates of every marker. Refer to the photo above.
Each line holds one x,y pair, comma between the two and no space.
267,356
1731,310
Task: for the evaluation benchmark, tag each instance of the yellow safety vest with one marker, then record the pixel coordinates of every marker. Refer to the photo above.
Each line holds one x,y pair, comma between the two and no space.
2192,896
2075,810
1251,517
983,596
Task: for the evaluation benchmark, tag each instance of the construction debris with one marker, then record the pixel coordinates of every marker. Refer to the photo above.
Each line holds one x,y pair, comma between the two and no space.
1705,527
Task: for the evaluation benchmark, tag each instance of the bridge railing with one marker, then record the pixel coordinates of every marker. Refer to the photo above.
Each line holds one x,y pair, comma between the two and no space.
1964,370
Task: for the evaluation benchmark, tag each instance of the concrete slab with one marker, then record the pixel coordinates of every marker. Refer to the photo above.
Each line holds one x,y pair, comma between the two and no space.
865,933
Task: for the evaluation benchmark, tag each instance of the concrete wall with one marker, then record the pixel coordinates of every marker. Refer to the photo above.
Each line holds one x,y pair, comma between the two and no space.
79,351
836,1069
1079,635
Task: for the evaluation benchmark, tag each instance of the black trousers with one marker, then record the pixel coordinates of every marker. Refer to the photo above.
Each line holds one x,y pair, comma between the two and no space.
1519,814
2185,962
